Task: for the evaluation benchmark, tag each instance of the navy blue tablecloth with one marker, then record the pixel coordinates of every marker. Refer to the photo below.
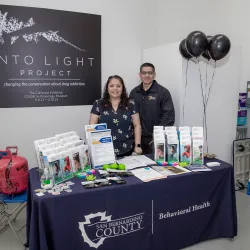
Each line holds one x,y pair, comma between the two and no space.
166,214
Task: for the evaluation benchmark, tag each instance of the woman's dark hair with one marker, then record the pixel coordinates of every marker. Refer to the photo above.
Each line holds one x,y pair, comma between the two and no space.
124,96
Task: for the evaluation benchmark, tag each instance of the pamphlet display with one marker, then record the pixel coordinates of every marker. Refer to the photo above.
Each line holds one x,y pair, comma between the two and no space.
101,148
197,143
159,144
92,128
172,143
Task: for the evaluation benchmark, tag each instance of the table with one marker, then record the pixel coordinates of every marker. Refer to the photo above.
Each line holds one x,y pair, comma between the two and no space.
166,214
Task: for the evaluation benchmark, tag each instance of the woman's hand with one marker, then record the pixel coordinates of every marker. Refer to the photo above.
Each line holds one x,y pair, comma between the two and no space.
138,150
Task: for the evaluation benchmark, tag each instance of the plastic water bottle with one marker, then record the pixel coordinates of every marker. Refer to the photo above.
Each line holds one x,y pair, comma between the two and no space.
248,187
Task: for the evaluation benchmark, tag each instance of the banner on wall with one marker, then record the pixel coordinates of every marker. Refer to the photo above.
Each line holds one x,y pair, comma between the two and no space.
49,57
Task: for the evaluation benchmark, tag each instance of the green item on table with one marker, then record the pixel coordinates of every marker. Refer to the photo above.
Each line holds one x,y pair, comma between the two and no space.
114,166
184,164
106,166
90,177
122,166
87,168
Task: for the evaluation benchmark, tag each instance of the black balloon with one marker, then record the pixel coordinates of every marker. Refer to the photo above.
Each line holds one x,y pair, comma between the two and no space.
218,47
196,43
183,50
206,54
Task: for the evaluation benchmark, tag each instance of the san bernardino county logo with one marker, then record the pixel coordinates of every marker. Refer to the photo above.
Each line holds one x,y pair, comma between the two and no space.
98,227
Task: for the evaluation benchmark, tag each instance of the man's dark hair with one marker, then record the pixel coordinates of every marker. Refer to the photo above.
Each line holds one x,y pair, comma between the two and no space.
147,65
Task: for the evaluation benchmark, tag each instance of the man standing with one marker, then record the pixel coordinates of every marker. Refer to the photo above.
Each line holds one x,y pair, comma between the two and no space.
154,103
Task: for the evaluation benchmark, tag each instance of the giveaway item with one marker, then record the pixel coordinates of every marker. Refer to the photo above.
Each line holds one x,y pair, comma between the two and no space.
74,155
173,150
185,149
213,164
81,175
116,180
37,144
162,170
123,173
159,146
176,170
147,174
162,163
57,167
90,177
13,172
198,150
66,165
84,157
41,149
47,181
198,168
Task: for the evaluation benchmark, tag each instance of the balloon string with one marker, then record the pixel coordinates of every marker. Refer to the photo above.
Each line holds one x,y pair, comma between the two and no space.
211,84
204,107
205,110
183,115
206,80
202,91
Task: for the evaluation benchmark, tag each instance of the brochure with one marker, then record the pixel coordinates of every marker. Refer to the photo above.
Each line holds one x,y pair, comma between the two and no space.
147,174
198,168
101,148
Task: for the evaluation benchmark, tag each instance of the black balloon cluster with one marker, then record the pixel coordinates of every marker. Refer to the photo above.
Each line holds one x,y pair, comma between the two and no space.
210,47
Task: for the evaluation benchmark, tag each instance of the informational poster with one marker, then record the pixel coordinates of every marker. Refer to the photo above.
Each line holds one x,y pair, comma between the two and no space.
49,57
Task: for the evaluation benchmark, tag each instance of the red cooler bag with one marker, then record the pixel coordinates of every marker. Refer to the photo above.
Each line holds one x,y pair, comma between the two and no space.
13,172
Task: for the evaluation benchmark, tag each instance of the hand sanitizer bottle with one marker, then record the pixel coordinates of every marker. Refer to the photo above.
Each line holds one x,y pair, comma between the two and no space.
47,179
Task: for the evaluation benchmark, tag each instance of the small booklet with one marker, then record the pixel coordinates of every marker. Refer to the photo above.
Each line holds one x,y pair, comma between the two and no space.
163,170
198,168
178,170
147,174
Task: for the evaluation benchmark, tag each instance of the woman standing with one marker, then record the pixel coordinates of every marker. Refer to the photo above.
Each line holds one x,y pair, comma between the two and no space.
121,116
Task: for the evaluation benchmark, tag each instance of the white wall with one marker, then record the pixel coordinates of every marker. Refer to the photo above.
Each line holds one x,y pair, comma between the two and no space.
124,36
176,19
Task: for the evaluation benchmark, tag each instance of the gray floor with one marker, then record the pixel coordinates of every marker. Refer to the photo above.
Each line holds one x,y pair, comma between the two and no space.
241,242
